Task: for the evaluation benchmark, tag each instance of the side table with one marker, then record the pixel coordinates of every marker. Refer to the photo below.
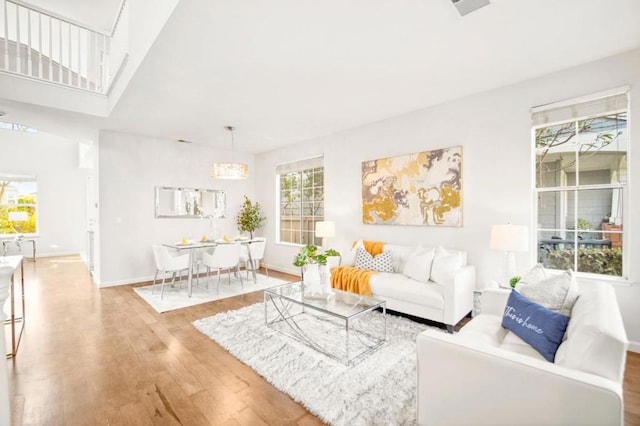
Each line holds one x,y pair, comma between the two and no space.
15,321
18,242
477,303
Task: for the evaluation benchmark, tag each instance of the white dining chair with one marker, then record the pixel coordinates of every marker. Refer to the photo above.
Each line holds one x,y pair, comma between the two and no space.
166,263
224,256
252,254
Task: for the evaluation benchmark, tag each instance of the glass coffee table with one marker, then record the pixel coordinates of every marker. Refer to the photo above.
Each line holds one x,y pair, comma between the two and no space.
339,324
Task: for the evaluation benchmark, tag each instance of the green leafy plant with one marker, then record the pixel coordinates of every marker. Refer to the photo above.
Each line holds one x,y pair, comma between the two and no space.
583,223
309,254
249,218
514,280
594,260
331,252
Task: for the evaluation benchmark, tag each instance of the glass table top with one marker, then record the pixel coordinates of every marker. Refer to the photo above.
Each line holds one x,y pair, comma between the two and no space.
335,302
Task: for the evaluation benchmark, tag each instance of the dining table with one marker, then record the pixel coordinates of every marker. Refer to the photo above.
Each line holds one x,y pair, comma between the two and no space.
204,244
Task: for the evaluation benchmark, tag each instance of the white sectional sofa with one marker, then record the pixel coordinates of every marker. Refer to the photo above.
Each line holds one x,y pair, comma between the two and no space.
431,283
486,375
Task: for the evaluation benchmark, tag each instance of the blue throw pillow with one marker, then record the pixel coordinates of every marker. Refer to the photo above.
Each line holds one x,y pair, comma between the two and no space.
540,327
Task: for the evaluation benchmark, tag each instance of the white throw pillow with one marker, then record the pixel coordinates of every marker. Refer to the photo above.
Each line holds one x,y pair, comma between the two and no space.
535,274
445,264
418,264
350,258
380,262
555,292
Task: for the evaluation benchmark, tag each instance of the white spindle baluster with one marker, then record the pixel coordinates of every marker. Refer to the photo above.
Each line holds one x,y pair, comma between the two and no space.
60,45
89,54
40,45
96,59
50,49
79,57
29,63
18,56
6,38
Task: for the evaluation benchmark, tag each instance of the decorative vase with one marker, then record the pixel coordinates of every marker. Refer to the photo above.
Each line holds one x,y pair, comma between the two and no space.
326,279
312,277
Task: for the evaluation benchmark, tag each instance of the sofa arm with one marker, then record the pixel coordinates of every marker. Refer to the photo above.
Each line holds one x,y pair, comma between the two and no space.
458,295
494,301
463,383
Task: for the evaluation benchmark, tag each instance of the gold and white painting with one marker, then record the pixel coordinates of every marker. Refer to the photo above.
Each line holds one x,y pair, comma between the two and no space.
424,188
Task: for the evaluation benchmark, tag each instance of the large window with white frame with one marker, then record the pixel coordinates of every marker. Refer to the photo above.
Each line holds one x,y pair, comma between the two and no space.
18,205
581,183
300,200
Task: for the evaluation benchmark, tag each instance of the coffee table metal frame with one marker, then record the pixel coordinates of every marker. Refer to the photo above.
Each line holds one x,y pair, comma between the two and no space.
290,301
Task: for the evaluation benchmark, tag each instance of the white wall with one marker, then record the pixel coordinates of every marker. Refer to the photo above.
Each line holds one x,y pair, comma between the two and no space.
61,187
494,129
130,168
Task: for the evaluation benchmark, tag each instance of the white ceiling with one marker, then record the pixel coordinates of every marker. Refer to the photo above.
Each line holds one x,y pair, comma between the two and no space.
282,71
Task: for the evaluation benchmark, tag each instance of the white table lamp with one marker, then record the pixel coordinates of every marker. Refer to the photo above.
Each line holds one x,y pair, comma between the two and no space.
509,239
324,230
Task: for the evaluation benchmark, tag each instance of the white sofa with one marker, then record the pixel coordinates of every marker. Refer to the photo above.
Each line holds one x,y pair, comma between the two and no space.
443,293
486,375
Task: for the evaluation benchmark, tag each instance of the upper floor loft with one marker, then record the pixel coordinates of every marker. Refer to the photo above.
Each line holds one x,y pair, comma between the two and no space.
53,61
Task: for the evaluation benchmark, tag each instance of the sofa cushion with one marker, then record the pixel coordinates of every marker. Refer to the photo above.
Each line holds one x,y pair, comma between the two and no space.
484,329
400,287
444,266
540,327
350,257
596,341
557,292
513,343
418,265
380,262
399,255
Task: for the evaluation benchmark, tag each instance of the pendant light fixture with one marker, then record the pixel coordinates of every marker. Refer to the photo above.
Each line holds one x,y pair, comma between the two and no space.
230,170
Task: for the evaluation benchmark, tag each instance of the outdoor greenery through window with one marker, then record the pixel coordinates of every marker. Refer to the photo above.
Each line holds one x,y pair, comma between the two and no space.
581,184
18,205
301,200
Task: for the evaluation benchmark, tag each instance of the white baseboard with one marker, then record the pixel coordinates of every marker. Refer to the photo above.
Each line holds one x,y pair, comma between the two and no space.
634,347
126,281
295,271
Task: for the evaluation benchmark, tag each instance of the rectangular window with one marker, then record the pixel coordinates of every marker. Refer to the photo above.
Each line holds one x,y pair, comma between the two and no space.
581,183
18,205
300,200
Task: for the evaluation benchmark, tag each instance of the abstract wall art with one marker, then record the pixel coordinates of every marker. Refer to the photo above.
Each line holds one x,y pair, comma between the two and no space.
414,189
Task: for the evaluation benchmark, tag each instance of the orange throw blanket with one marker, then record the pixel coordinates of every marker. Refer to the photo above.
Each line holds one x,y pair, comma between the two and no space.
373,247
349,278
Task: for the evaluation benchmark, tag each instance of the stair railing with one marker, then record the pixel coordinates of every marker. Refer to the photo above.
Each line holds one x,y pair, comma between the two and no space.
39,45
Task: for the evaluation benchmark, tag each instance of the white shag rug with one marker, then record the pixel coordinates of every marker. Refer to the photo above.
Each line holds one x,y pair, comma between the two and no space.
379,390
177,297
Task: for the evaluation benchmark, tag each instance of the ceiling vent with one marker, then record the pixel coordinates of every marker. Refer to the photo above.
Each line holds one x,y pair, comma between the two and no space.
467,6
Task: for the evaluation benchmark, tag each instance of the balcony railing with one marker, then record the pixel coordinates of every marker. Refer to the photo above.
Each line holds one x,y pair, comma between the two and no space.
49,48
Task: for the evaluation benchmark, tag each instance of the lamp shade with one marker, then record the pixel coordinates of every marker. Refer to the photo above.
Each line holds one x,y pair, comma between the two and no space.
18,216
325,229
510,237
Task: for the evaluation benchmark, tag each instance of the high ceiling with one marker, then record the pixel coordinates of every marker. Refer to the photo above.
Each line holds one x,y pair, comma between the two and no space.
282,71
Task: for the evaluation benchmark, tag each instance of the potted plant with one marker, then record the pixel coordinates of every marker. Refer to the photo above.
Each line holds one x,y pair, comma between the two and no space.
249,218
333,258
309,260
309,255
514,280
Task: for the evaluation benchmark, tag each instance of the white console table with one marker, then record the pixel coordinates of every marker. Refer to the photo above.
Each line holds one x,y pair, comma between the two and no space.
15,319
18,243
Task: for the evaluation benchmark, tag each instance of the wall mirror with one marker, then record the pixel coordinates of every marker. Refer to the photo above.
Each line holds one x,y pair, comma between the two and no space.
190,202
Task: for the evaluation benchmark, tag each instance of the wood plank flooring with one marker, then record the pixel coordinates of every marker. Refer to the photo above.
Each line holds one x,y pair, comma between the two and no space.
92,356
